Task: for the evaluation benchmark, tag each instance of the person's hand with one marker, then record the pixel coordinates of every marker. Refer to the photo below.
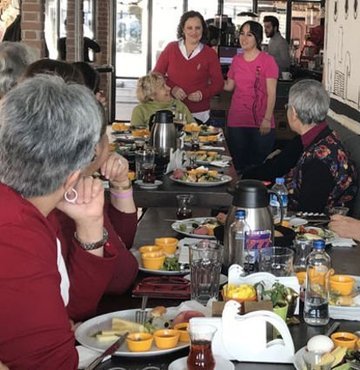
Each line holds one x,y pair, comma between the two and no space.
115,168
89,204
73,327
265,127
345,227
3,366
101,98
178,93
195,96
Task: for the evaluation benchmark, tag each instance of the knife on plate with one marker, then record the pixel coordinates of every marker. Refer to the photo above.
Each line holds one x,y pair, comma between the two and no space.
109,351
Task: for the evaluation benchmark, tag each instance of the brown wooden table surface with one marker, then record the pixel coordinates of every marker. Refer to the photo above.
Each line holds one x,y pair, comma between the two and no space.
153,224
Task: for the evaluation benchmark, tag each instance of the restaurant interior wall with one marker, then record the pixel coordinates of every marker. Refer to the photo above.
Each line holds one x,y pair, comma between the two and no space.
341,75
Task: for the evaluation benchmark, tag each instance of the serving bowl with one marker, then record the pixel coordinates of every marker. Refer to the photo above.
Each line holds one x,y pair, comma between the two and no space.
139,342
344,339
166,338
153,260
150,248
182,328
342,284
168,244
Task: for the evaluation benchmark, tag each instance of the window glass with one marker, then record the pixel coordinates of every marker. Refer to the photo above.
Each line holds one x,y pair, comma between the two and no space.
131,38
88,19
208,8
51,27
166,17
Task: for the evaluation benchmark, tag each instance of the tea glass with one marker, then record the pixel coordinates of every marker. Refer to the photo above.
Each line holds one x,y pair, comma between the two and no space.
338,211
200,355
316,361
144,161
184,210
276,260
205,267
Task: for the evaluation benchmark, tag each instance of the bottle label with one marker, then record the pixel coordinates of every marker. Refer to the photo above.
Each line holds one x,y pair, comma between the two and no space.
255,240
275,203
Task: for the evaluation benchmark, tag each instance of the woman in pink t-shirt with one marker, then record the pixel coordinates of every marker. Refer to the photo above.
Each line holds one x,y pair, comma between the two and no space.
253,78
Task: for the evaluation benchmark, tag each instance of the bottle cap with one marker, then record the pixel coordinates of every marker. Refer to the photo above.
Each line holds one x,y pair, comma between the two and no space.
240,213
280,180
319,244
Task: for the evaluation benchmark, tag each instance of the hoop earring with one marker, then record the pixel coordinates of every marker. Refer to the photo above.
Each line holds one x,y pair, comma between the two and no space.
71,199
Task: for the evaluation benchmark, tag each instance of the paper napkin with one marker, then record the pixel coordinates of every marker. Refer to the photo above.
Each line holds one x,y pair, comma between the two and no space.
220,163
343,242
176,160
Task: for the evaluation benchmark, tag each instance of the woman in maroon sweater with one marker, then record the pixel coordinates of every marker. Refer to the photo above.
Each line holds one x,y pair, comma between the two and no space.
192,68
98,274
48,131
105,273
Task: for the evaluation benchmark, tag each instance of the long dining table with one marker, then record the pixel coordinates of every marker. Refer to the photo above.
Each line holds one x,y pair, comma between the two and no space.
157,222
203,196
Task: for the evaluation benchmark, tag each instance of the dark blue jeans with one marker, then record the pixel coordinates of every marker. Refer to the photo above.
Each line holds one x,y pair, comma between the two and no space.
248,147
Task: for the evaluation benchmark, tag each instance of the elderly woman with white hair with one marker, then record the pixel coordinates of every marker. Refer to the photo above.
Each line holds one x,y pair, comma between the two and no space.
324,175
153,95
48,131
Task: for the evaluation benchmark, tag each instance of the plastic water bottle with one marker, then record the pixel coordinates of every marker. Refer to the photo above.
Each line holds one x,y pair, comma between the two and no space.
316,305
279,188
237,239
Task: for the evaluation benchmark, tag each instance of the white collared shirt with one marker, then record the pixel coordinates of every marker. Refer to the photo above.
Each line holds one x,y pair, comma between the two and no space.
65,283
195,52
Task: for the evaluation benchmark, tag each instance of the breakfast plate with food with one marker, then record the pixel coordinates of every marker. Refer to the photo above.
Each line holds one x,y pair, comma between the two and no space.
199,227
200,176
315,233
322,353
206,157
144,340
203,130
169,266
344,297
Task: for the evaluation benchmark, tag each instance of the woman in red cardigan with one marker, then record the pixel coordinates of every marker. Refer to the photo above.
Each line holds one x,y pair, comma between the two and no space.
48,131
191,67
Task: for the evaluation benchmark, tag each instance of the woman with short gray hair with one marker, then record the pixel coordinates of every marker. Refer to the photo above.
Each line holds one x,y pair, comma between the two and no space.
324,175
48,133
14,58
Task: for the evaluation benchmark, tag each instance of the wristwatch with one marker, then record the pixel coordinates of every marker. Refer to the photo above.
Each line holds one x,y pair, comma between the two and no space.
95,245
116,186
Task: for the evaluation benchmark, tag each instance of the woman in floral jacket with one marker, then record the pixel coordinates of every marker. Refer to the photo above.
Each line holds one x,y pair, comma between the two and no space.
324,176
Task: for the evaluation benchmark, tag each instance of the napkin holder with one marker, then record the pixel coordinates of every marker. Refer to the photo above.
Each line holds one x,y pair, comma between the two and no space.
244,337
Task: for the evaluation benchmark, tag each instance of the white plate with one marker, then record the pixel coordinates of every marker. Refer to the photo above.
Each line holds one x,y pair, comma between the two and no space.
137,255
223,278
220,364
223,158
84,332
347,312
298,359
148,186
224,179
297,221
126,138
189,228
328,234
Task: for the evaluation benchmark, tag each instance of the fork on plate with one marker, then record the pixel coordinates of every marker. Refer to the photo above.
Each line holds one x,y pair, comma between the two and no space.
141,315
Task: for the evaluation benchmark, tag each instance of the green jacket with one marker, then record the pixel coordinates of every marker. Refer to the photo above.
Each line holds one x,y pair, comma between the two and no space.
141,113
